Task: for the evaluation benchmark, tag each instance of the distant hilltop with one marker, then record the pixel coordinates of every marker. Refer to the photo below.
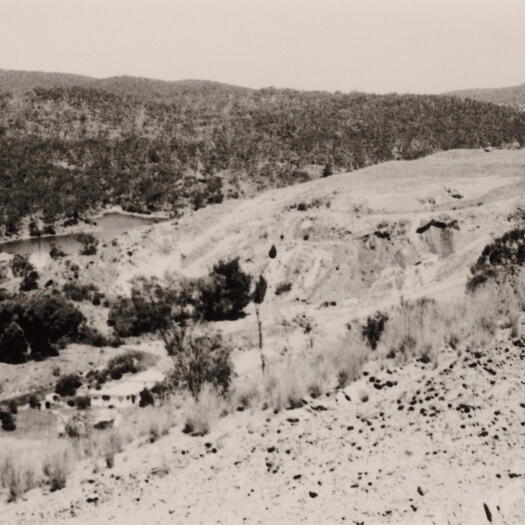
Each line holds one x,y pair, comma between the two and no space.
511,96
144,88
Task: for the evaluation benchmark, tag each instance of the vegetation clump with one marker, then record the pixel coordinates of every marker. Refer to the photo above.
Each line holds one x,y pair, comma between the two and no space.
373,328
89,243
67,385
499,260
45,318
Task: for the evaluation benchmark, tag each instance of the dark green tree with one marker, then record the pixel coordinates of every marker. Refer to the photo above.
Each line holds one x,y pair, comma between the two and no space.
13,344
227,291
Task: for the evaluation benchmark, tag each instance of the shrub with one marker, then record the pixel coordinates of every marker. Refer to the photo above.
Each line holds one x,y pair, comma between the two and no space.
79,292
373,329
29,281
82,402
67,385
499,260
34,402
137,315
45,319
415,329
58,464
284,287
18,472
227,291
128,362
8,422
91,336
201,359
146,398
13,344
55,252
327,171
89,243
20,265
202,412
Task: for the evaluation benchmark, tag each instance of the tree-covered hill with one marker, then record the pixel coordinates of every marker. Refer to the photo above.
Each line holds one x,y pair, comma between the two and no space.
65,151
511,96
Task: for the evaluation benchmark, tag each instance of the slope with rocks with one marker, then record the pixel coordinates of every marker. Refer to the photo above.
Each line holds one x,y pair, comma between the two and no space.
426,446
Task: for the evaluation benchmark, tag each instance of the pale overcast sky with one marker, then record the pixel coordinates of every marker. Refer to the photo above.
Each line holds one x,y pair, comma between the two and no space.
370,45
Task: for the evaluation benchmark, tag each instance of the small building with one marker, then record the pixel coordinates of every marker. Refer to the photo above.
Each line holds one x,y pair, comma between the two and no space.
126,391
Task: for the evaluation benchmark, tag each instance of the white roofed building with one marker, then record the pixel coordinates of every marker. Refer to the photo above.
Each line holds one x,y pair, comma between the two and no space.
126,391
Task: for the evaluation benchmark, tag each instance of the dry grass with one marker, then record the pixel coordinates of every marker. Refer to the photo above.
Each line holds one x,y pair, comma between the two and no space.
25,465
414,330
58,462
201,414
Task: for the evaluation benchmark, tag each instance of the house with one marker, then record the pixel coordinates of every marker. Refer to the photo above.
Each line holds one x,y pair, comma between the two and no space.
126,391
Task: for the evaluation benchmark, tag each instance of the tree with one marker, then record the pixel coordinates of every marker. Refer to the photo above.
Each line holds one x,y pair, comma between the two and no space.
145,398
55,252
20,265
227,291
13,344
8,421
89,243
29,281
258,297
327,170
67,385
201,358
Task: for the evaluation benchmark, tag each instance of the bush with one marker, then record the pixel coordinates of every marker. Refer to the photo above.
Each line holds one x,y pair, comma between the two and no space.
13,344
82,402
227,291
56,253
201,413
45,319
373,329
8,422
20,265
124,363
79,292
89,243
91,336
29,281
201,359
283,288
67,385
58,464
499,260
34,402
145,398
138,315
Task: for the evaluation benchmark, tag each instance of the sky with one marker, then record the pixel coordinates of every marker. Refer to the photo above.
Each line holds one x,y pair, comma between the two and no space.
422,46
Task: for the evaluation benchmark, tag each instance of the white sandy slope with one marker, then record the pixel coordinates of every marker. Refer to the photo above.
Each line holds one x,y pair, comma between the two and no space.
364,461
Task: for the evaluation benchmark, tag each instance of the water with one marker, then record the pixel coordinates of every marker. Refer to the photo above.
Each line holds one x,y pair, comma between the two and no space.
108,227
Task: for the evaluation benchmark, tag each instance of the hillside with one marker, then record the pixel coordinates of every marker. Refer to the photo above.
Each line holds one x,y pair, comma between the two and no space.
510,96
413,439
69,151
152,90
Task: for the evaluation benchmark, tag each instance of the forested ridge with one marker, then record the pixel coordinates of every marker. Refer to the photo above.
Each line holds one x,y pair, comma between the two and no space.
65,151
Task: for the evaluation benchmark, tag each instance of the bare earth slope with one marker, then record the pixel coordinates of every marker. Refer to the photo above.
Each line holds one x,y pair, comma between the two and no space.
439,445
361,240
428,447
